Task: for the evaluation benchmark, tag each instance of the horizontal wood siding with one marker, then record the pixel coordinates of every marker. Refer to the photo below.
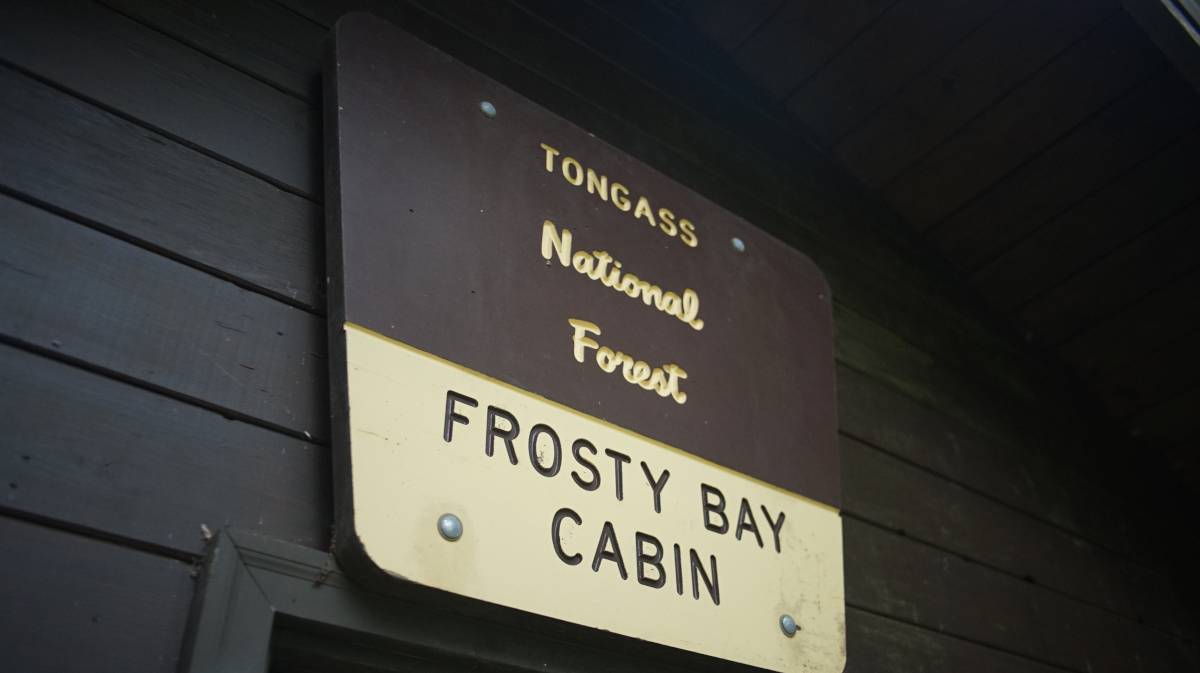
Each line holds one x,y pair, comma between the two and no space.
162,345
75,604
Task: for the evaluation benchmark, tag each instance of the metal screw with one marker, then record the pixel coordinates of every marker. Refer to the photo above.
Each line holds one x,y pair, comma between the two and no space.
738,244
788,625
450,527
488,109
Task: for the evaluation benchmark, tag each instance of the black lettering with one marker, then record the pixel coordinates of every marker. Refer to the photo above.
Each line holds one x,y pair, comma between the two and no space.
556,535
714,589
507,435
608,538
656,485
644,559
717,508
594,483
452,416
537,431
746,522
619,462
678,572
776,526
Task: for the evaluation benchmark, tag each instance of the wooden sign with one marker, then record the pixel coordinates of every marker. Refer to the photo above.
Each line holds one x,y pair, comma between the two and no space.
566,384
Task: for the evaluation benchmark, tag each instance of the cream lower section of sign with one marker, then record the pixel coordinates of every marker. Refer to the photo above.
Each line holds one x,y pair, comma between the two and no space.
406,475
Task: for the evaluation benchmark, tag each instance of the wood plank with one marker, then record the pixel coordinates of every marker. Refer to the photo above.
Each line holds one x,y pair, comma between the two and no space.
1112,215
1173,654
72,604
1116,281
729,23
972,76
1181,459
119,459
1100,68
1145,378
149,76
599,81
879,488
1164,313
875,643
871,348
235,32
1145,120
801,37
64,152
891,575
980,396
906,39
680,45
327,12
1037,482
1174,421
146,317
623,32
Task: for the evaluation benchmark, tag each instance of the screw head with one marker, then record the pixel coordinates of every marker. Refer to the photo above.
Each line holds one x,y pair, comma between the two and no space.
788,625
487,109
738,244
450,527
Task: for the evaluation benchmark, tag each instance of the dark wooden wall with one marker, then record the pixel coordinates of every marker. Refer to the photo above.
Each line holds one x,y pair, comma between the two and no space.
1045,147
162,344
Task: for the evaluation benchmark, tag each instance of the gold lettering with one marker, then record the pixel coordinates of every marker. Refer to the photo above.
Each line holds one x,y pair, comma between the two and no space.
691,309
597,184
664,381
687,233
626,364
554,243
582,262
572,171
675,374
631,285
602,260
666,221
670,303
652,296
550,154
607,360
663,219
580,341
620,196
658,382
601,266
614,276
643,209
639,373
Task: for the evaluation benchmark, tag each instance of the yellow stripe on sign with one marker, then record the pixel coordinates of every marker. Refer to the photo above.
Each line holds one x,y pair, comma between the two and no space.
571,517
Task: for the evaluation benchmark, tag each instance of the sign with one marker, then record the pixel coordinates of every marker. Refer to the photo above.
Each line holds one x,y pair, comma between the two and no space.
564,383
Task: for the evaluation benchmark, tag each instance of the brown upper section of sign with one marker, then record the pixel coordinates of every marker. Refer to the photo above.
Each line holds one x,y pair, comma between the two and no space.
442,212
